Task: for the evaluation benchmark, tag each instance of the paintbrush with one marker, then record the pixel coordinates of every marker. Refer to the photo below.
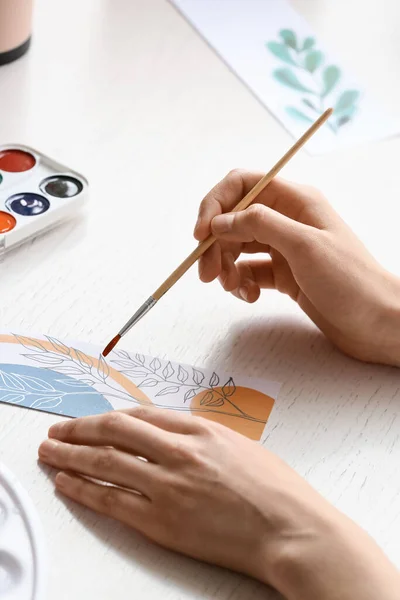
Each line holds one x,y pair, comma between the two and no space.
203,246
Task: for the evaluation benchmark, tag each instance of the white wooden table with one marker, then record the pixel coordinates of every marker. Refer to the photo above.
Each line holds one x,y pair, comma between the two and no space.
127,93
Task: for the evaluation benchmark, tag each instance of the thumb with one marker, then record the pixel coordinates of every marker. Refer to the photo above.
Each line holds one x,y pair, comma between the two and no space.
261,224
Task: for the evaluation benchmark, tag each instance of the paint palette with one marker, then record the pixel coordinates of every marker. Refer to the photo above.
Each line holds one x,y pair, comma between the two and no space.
22,554
36,193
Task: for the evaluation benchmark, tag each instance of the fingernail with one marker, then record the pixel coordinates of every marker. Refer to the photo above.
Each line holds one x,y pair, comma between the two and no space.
198,223
245,289
222,223
222,278
56,429
62,480
244,292
47,448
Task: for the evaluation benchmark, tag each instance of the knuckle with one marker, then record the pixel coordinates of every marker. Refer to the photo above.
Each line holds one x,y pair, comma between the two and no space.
254,218
204,428
111,421
303,245
255,212
235,177
201,425
213,429
142,412
311,192
76,489
194,452
314,198
197,458
235,173
107,499
103,461
182,450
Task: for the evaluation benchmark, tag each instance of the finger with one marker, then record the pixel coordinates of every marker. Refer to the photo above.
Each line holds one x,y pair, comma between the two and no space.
259,271
284,280
223,197
248,291
253,276
127,507
115,429
210,263
105,464
229,278
168,419
264,225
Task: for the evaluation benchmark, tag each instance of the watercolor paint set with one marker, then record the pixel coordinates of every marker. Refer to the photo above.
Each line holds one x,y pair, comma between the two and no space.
36,194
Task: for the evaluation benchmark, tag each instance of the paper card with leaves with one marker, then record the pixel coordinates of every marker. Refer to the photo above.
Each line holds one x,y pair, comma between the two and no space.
276,54
73,379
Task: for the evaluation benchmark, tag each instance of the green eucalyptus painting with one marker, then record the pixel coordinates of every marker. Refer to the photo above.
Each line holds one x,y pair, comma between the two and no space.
305,71
273,50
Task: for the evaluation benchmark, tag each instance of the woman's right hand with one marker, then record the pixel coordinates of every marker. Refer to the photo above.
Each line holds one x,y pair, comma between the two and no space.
310,254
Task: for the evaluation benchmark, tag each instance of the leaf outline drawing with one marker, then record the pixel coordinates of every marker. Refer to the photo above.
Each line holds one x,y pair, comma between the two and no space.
168,370
173,389
30,343
103,369
58,346
47,401
198,377
83,359
38,388
148,383
229,388
155,364
214,380
183,375
211,397
68,361
189,394
193,385
13,398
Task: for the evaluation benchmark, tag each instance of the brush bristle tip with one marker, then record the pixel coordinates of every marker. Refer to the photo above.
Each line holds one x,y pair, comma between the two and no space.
111,346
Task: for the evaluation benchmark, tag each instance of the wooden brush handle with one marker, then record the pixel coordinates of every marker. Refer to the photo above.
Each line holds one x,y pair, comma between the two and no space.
242,205
183,267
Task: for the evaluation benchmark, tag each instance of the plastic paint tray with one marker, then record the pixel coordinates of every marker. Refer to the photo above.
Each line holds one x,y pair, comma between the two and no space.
22,552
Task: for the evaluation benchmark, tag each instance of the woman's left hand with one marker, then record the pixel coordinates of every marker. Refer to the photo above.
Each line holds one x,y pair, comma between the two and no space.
203,489
215,495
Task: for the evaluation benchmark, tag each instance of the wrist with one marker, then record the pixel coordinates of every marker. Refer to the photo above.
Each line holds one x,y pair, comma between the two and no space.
333,558
298,560
385,334
373,333
295,537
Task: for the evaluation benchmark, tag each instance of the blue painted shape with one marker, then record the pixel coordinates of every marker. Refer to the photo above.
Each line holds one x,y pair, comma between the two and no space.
49,391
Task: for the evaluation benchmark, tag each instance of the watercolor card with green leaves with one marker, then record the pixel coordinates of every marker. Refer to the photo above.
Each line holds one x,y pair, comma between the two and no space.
277,55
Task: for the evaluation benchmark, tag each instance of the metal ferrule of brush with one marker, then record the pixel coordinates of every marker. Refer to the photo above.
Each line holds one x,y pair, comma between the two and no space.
139,314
